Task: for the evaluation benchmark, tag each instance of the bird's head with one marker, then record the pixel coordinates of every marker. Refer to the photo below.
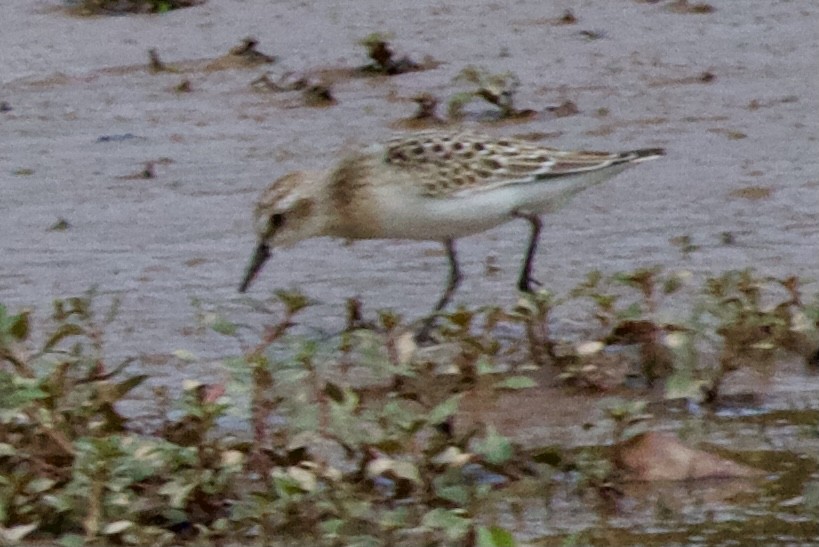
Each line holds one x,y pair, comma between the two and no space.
287,212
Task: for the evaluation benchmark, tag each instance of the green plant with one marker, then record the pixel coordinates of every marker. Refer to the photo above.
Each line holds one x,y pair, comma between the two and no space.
496,89
94,7
318,455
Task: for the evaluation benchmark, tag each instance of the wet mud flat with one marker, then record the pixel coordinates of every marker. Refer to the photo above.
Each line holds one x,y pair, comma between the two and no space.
730,94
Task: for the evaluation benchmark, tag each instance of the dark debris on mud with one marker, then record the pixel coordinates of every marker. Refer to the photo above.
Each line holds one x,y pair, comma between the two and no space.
124,7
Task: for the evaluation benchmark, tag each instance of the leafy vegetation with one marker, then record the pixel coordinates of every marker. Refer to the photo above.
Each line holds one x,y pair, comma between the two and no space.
321,458
496,89
383,58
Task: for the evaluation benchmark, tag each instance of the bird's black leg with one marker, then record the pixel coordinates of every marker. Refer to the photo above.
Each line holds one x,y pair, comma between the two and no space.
451,286
454,276
525,280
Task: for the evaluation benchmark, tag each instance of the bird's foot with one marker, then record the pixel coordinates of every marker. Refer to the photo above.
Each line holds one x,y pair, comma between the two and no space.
424,336
525,284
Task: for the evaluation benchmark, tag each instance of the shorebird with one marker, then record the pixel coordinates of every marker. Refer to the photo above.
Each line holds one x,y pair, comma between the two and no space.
431,185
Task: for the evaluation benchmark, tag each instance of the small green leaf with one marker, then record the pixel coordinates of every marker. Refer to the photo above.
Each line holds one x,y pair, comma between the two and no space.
122,388
456,494
634,311
682,384
406,470
71,540
294,301
363,541
223,326
516,382
374,38
394,519
20,326
21,393
38,486
449,520
305,478
331,528
117,527
60,225
7,450
485,365
444,410
177,492
15,534
494,536
495,448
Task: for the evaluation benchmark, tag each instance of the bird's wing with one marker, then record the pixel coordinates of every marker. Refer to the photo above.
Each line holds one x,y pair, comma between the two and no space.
444,164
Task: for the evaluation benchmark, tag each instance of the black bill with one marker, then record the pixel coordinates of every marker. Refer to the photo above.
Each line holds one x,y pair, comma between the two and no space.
260,256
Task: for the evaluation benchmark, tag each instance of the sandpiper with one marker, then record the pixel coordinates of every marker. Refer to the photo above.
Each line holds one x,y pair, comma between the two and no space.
431,185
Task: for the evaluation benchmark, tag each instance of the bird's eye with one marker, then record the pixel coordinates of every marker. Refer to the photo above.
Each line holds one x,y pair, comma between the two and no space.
276,220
